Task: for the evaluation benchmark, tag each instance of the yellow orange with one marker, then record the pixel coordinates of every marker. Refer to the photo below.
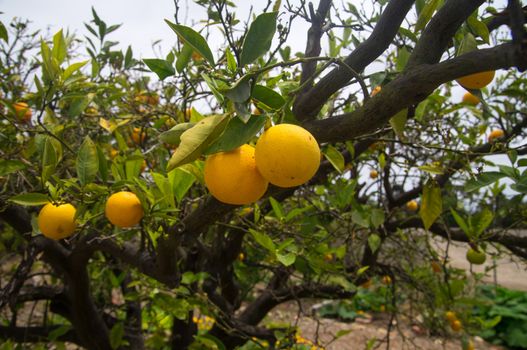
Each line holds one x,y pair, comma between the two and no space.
495,134
450,316
124,209
375,90
470,99
138,136
287,155
476,80
412,205
23,112
57,221
374,174
232,177
456,325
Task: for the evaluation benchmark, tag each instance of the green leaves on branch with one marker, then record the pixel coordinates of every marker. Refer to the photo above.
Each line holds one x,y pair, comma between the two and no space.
194,39
474,225
87,162
431,204
162,68
195,140
237,133
426,13
259,37
30,199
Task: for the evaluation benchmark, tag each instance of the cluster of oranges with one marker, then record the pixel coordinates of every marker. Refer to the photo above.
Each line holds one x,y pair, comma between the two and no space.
455,323
57,221
204,323
285,155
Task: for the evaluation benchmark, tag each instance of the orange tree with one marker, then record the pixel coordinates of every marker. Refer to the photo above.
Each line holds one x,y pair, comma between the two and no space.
399,168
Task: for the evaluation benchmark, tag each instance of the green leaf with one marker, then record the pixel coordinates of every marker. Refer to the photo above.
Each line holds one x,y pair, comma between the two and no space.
116,335
264,240
87,161
103,164
431,204
398,123
231,61
241,90
50,66
522,162
73,68
277,208
461,223
374,242
467,44
207,338
59,51
181,181
166,188
196,139
162,68
432,169
184,57
50,159
3,32
30,199
10,166
426,14
286,258
236,134
402,58
211,83
268,97
481,221
479,27
79,104
335,158
377,217
259,37
173,136
483,179
194,39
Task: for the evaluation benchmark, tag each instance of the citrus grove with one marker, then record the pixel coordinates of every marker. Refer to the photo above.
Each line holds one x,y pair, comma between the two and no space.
176,202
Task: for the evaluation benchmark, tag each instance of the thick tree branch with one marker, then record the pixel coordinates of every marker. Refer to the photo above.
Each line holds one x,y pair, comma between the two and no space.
307,105
314,35
411,88
439,32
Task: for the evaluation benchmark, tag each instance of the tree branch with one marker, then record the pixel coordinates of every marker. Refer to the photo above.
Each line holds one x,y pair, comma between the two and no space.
306,106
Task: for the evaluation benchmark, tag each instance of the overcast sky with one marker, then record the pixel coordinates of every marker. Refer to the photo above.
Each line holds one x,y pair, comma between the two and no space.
142,21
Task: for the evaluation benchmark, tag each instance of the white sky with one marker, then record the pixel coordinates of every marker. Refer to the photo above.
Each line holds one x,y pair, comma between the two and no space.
142,21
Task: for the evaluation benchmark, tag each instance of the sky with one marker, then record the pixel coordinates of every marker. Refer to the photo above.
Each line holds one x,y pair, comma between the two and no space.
142,21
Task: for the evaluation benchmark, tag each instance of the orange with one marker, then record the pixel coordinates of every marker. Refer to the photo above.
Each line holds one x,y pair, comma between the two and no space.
470,99
232,177
456,325
436,267
387,280
57,221
138,135
124,209
113,153
241,257
374,174
495,134
22,111
412,205
450,316
287,155
476,257
375,90
476,80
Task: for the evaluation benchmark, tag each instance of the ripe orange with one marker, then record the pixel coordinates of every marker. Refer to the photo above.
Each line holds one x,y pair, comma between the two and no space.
374,174
456,325
470,99
387,280
412,205
450,316
287,155
476,80
22,111
124,209
476,257
232,177
436,266
138,136
241,257
495,134
375,90
57,221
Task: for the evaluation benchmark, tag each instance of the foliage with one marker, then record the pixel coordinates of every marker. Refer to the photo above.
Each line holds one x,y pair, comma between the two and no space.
104,121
